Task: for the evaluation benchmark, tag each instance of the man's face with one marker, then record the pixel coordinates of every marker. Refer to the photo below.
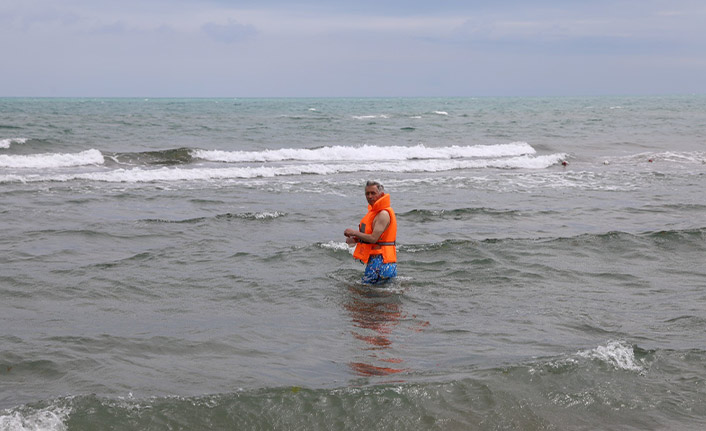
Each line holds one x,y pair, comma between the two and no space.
372,194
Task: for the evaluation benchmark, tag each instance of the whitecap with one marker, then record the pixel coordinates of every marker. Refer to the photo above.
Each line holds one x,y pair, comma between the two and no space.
616,353
348,153
336,246
140,175
52,160
677,157
268,215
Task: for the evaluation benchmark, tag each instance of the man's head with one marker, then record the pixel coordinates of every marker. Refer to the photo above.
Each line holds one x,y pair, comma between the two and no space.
373,191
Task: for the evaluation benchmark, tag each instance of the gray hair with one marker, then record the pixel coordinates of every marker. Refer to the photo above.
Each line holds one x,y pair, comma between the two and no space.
375,183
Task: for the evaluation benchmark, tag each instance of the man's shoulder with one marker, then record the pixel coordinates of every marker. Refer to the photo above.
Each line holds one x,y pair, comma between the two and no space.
383,214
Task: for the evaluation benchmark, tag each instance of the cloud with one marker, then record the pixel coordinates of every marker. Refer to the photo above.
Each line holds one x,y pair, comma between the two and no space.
413,47
229,33
116,28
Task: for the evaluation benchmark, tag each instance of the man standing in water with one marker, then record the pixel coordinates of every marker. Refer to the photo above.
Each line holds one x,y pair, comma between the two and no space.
374,241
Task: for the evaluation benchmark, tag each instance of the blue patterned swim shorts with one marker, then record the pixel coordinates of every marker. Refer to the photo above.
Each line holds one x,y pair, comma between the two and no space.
377,272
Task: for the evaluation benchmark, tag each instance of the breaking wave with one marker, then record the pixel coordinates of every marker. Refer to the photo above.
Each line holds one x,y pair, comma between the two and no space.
52,160
617,354
367,152
287,163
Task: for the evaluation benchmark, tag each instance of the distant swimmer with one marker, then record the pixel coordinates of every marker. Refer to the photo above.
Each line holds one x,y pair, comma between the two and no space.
375,238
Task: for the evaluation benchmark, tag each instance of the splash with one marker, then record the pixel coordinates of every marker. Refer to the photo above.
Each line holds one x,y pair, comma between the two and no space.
616,353
52,418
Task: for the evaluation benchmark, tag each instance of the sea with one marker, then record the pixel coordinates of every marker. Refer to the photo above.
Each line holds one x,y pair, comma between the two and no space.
180,264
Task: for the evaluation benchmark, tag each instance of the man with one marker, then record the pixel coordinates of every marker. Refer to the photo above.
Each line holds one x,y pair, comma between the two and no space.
375,238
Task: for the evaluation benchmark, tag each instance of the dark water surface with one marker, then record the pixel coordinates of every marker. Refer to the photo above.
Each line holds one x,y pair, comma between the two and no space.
180,264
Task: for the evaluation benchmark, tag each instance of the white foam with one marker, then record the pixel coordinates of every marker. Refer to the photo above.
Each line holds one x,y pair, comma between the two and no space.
677,157
268,215
336,246
616,353
6,143
441,113
367,152
139,175
48,419
52,160
369,117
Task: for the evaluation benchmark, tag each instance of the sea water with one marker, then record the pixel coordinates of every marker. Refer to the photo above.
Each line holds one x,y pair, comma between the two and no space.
181,264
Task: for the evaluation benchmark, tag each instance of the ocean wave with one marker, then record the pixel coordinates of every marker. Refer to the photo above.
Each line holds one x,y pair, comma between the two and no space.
140,175
683,237
532,396
6,143
419,158
335,246
262,215
608,376
696,234
45,418
401,406
681,157
370,117
676,157
436,246
618,354
456,214
52,160
367,152
176,156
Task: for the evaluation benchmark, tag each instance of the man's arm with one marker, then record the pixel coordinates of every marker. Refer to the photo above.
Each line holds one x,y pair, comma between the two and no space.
381,222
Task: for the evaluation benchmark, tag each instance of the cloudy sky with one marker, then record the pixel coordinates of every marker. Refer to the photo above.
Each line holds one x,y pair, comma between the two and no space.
330,48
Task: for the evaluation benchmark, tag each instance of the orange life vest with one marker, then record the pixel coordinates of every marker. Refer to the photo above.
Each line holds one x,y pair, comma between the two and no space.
386,243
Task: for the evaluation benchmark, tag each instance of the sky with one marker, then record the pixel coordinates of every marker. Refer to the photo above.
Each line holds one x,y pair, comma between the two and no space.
356,48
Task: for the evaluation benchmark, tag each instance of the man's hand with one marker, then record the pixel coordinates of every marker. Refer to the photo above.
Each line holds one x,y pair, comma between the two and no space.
380,223
351,239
